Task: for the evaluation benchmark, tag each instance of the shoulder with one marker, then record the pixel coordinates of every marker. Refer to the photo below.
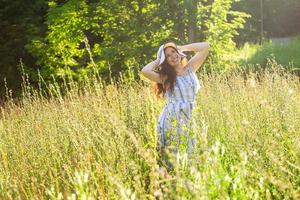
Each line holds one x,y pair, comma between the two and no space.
189,68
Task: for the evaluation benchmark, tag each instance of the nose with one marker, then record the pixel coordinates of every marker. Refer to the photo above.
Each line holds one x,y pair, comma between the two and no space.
174,55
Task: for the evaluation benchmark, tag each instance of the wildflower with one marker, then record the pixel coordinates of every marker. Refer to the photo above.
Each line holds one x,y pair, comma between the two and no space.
225,110
261,182
215,148
227,178
235,183
158,193
212,160
254,153
263,102
222,150
290,91
251,83
245,122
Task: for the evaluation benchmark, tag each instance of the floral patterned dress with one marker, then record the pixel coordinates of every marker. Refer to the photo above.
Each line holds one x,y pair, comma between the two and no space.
175,121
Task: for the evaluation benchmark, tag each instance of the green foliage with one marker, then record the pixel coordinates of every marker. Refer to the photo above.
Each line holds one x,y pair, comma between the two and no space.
108,37
284,54
57,52
76,37
127,32
87,37
19,24
222,25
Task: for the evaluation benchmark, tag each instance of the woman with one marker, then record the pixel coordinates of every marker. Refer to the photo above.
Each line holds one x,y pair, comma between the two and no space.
175,78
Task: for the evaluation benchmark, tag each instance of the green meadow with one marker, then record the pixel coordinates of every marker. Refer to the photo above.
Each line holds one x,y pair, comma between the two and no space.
286,54
98,141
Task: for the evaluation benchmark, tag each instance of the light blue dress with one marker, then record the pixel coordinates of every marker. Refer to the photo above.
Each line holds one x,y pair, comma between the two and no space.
175,123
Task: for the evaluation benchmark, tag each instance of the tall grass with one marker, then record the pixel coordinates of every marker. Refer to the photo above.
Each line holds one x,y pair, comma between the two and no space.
99,142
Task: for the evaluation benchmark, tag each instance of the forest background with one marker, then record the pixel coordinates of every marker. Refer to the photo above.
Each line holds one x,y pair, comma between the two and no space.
75,38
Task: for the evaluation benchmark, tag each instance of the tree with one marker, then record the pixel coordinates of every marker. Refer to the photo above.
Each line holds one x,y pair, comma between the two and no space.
83,37
221,25
19,24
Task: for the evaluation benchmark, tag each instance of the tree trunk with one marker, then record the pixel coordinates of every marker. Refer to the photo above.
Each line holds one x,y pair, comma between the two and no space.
191,10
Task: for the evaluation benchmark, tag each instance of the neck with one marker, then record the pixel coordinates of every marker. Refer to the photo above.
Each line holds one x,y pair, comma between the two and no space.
178,67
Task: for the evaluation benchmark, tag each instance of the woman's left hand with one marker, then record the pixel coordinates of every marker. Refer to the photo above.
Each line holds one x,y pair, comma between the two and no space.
179,48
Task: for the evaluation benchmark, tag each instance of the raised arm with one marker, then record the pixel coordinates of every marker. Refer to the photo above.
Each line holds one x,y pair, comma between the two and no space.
202,51
149,73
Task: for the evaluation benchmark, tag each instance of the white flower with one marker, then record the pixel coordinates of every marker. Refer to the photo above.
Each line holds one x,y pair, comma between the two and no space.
261,182
227,178
254,153
85,178
251,82
158,193
215,148
245,122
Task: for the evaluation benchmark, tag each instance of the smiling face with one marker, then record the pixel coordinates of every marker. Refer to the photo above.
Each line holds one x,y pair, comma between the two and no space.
172,56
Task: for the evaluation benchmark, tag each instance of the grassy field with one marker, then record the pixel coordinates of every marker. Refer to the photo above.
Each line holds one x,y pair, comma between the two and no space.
99,143
284,54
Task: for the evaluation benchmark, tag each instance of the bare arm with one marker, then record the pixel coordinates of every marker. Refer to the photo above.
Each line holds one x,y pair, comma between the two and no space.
148,72
202,51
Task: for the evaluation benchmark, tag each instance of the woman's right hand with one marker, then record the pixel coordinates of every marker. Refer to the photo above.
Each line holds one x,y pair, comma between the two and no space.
157,60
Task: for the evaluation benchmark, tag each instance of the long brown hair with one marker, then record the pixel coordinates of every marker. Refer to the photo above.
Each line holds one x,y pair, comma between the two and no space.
170,75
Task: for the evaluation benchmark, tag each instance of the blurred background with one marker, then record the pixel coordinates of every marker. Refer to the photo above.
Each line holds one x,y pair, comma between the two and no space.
76,38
